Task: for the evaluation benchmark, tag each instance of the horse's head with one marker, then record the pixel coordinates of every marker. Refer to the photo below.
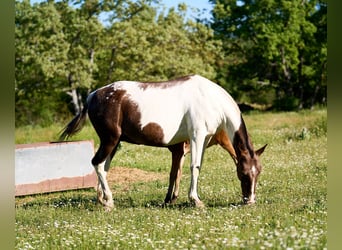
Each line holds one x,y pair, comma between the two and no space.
248,170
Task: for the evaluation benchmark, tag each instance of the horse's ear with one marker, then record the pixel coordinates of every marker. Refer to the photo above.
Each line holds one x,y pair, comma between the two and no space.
260,150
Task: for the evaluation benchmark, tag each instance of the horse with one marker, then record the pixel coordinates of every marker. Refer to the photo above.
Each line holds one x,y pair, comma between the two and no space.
190,110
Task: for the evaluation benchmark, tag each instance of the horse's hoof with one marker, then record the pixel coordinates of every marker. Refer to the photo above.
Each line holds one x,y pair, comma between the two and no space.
108,206
173,201
168,204
199,204
247,201
108,209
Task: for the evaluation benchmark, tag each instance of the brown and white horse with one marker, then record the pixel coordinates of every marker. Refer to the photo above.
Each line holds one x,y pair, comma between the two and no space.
169,114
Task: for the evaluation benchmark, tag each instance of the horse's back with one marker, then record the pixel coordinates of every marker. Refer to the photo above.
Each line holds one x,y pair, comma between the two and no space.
173,108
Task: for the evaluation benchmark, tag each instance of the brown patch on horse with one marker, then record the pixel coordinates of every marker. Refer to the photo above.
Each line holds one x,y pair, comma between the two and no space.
151,134
103,112
248,164
154,132
242,142
113,114
223,140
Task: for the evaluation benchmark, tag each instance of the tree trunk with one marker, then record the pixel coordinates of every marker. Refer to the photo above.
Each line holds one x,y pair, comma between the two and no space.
287,75
76,98
111,65
91,59
300,82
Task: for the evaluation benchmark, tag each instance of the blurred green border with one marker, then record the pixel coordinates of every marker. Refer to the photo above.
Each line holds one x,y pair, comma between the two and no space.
334,124
7,210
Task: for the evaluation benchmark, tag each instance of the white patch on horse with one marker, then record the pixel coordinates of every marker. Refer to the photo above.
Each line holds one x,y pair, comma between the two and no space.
178,108
253,170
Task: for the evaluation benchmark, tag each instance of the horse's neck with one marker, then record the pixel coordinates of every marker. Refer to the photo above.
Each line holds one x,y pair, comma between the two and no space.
241,141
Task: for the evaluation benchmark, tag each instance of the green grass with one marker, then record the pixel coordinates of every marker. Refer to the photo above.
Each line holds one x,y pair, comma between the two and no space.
291,209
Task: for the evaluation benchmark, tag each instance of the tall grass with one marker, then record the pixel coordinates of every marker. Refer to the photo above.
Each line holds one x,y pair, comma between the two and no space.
291,209
31,134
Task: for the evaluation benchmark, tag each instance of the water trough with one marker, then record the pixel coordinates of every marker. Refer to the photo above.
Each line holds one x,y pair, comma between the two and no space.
49,167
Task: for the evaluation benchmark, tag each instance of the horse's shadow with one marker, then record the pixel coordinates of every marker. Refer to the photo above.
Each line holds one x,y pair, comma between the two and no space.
57,201
90,203
179,205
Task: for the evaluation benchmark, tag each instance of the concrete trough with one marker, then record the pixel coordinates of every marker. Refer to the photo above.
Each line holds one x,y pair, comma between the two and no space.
49,167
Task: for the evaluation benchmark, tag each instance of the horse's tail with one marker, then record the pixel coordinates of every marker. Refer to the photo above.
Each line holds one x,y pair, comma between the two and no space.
75,125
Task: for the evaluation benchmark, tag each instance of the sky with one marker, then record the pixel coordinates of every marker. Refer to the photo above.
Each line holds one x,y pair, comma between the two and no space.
199,4
202,5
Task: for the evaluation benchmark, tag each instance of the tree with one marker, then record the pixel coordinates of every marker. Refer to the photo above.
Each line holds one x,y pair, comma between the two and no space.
83,32
150,47
41,51
64,51
268,45
55,47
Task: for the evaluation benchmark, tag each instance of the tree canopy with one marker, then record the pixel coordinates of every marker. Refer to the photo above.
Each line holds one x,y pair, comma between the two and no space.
274,45
268,52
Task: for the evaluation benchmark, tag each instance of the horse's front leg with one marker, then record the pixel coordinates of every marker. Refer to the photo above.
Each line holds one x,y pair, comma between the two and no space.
198,144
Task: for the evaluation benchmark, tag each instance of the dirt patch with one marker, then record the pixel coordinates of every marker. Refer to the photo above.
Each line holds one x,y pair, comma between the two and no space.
126,176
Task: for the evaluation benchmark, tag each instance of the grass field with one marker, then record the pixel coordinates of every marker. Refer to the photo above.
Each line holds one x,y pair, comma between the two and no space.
290,213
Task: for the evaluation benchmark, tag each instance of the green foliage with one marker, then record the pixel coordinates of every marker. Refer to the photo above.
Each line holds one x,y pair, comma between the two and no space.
40,56
64,52
151,47
281,43
291,208
263,52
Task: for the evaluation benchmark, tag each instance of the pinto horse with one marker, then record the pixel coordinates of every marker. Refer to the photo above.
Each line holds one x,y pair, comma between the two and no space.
189,111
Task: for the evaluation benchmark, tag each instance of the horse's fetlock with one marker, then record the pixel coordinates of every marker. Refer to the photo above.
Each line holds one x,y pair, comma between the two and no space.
195,167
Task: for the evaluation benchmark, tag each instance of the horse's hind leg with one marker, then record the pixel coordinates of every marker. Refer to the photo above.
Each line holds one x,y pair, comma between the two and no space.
178,155
101,163
185,150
